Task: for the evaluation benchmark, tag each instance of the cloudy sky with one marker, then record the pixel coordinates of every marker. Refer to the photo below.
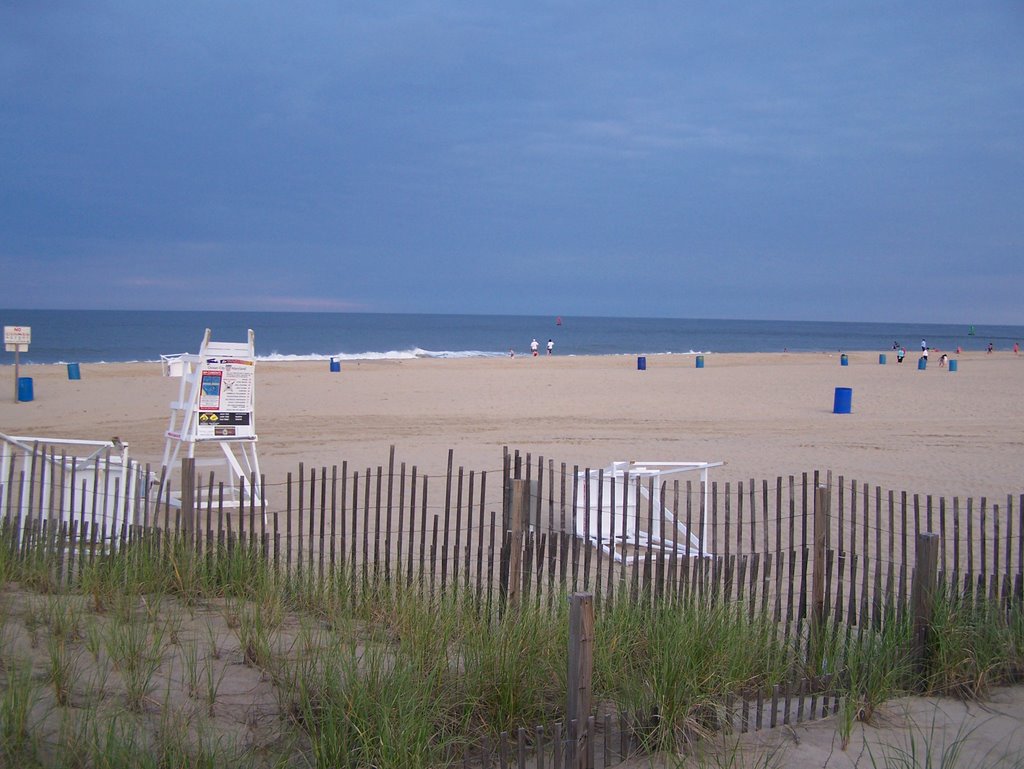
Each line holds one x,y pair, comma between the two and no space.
779,160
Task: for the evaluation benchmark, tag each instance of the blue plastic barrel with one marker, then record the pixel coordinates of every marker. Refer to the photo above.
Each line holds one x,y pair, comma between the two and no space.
73,371
843,400
952,364
641,363
25,388
922,363
881,358
843,360
700,361
335,365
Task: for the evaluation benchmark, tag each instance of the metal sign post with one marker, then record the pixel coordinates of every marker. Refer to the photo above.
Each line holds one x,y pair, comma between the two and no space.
17,340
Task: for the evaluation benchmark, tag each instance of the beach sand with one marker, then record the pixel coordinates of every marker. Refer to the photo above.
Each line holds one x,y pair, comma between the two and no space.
928,432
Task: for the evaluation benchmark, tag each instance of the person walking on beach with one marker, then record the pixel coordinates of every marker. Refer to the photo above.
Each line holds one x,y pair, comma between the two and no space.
534,346
924,346
551,346
942,360
990,348
900,355
1016,348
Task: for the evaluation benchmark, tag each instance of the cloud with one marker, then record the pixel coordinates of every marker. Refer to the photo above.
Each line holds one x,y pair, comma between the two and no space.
418,156
306,304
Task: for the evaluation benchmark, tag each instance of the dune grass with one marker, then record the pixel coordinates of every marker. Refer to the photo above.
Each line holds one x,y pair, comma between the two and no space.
383,673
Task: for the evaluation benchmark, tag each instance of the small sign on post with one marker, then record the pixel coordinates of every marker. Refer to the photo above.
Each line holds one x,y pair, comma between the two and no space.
16,340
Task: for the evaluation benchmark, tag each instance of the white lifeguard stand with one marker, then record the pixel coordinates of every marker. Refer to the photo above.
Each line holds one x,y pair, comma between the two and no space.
631,494
216,408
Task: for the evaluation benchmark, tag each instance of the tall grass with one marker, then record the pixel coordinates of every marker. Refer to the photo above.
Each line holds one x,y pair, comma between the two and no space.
63,618
172,566
63,671
256,629
514,669
17,698
136,650
120,740
974,644
9,562
368,709
875,667
675,667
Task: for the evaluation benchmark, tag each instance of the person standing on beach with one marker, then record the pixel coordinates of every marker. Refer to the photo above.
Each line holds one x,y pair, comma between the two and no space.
1016,348
551,346
534,346
991,347
924,346
900,355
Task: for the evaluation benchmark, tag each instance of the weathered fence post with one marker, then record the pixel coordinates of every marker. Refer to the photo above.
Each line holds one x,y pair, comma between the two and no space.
518,505
922,599
822,503
188,494
581,668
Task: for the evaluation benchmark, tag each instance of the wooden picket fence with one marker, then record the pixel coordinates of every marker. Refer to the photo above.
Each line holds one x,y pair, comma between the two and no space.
391,522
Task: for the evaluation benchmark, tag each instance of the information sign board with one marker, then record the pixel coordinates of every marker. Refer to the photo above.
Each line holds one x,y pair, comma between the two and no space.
226,398
17,335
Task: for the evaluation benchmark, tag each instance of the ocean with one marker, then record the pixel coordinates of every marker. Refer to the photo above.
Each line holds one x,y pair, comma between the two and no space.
99,336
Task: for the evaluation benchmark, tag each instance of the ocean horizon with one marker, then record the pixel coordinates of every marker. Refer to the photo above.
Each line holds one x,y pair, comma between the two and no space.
117,336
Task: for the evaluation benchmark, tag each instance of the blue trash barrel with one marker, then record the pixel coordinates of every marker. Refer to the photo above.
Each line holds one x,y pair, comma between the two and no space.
25,388
641,363
952,364
922,363
73,371
700,361
881,358
843,360
335,365
843,400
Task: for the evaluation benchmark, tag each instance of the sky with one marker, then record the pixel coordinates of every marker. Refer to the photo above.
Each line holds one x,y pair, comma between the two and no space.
858,161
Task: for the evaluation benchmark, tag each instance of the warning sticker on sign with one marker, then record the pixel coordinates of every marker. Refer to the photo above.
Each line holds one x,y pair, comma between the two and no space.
224,418
219,424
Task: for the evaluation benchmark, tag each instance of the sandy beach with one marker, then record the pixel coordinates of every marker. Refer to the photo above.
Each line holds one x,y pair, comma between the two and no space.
927,432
